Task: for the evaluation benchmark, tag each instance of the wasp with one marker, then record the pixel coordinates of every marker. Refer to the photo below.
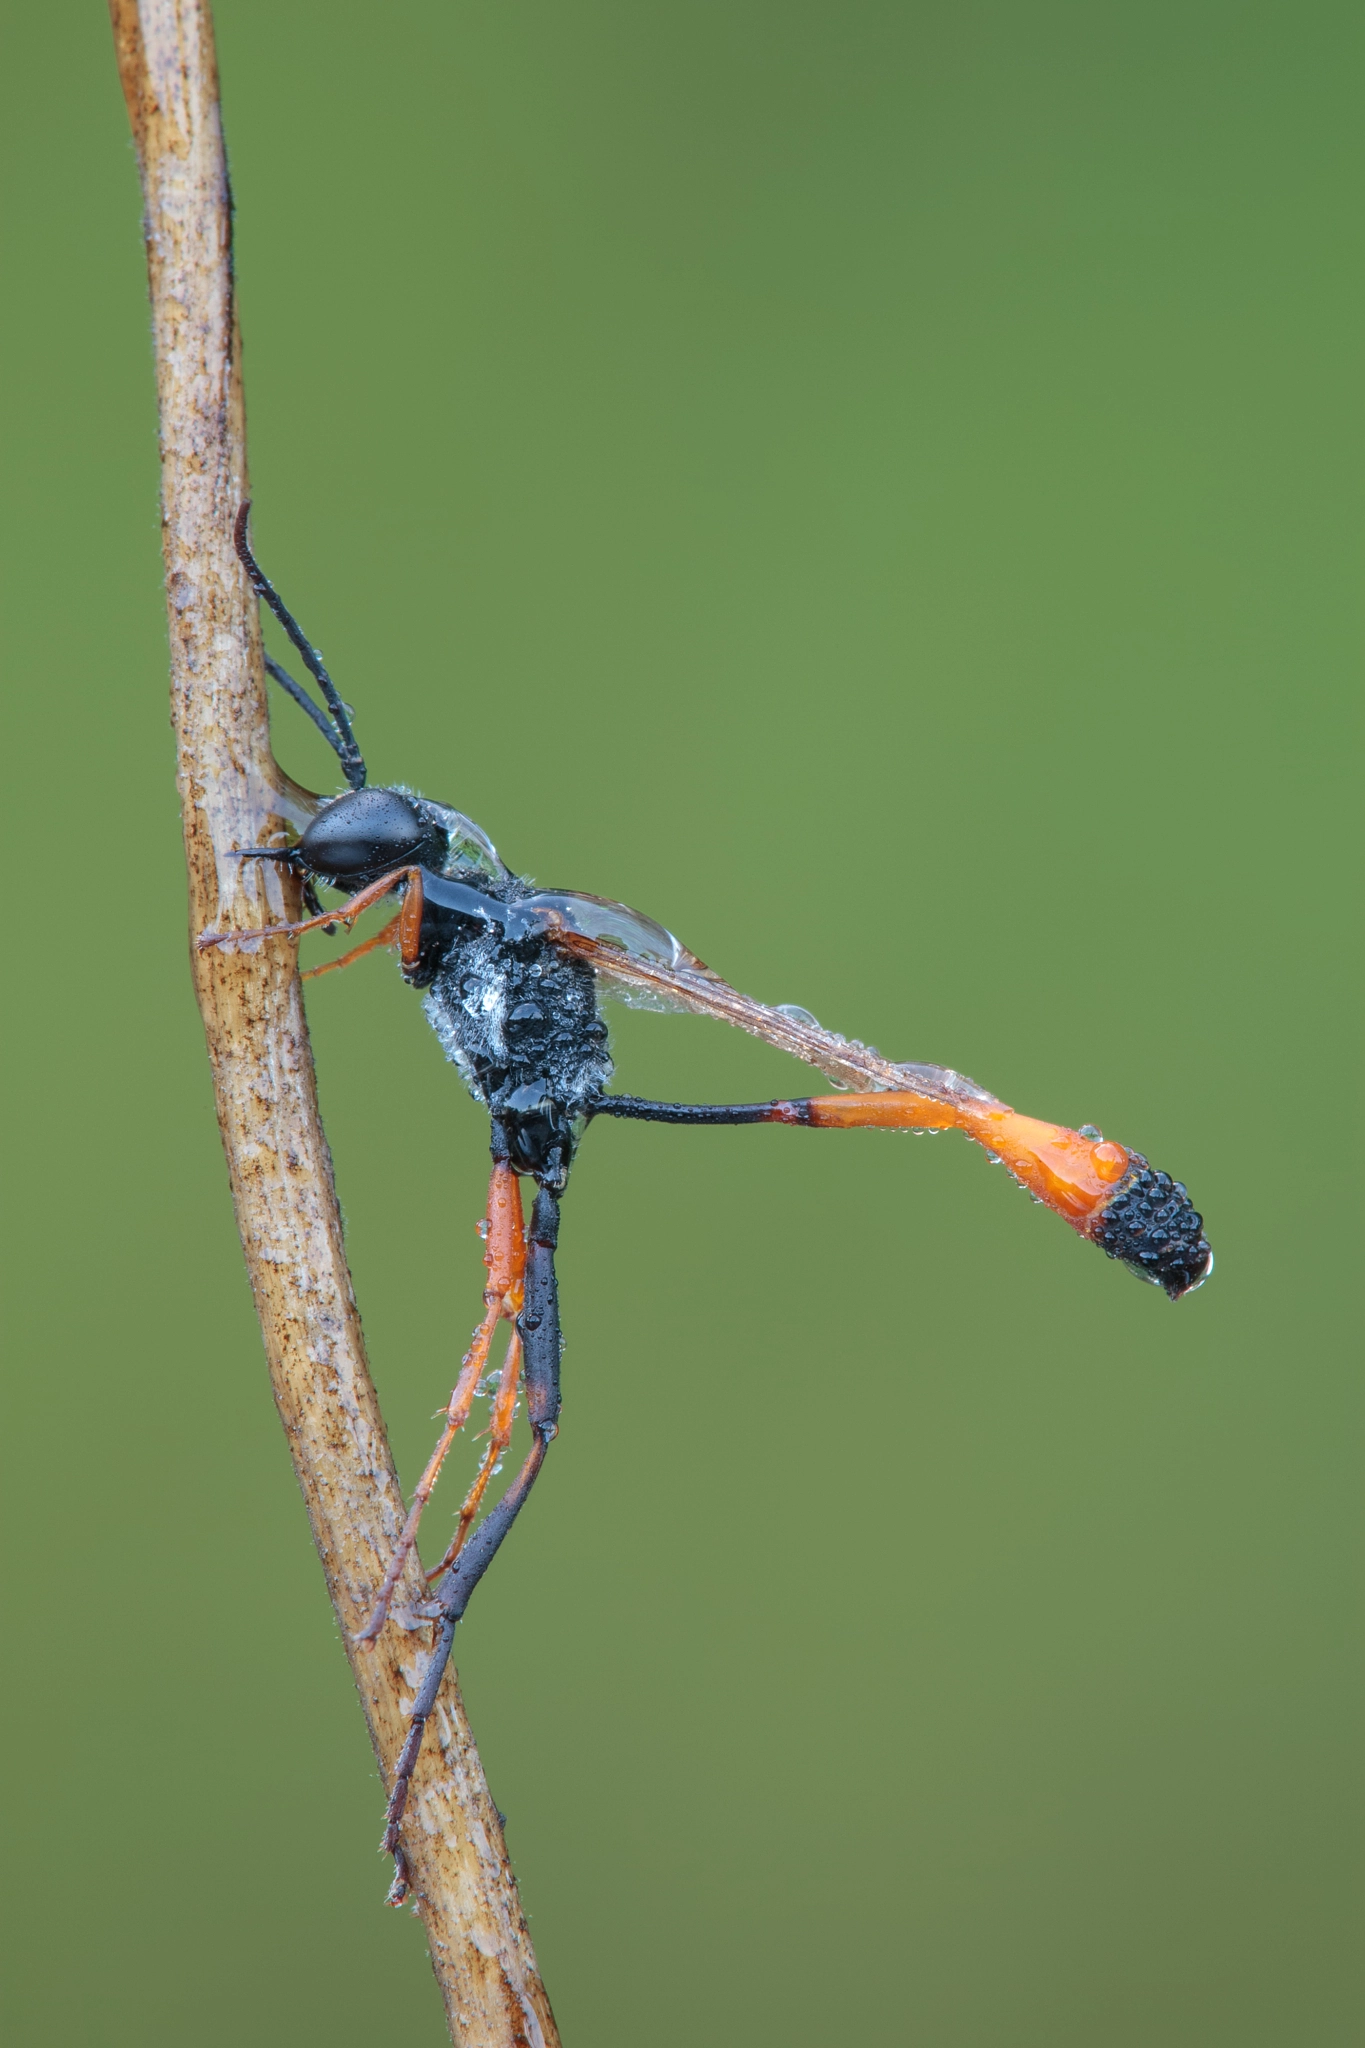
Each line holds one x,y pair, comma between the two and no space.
512,980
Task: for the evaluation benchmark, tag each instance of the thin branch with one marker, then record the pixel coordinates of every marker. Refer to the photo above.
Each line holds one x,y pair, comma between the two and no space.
233,795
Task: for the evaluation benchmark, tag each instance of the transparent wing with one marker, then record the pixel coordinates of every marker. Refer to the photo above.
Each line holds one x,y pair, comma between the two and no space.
1104,1191
641,964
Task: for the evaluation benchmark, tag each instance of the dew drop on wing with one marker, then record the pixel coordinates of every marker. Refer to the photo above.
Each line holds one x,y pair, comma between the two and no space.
942,1084
470,845
617,927
611,924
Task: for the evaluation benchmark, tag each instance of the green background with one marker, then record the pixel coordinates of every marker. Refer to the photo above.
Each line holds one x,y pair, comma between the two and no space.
875,486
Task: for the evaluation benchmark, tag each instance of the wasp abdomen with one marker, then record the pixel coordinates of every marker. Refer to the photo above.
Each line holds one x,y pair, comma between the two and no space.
1154,1228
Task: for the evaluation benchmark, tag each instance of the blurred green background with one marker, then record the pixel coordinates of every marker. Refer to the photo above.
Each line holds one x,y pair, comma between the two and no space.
875,486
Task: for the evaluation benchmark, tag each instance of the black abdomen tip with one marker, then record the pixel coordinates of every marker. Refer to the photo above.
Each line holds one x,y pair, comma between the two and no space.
1155,1229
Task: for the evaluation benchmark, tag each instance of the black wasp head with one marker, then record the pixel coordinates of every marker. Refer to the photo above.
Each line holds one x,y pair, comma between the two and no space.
366,834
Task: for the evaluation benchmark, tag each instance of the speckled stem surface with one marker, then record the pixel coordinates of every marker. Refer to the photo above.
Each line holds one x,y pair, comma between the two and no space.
234,795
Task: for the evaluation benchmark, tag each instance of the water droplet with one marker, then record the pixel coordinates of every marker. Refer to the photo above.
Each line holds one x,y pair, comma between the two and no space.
611,924
1110,1162
470,845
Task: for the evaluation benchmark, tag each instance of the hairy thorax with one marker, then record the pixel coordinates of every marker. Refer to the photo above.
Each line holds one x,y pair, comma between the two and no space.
520,1021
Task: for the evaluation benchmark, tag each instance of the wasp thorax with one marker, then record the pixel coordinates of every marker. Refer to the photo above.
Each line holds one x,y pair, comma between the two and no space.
361,836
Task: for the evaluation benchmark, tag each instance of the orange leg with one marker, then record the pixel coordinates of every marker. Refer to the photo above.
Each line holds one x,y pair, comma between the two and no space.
499,1437
505,1259
387,937
409,917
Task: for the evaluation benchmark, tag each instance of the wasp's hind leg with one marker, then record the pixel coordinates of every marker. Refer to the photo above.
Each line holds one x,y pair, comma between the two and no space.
538,1324
499,1437
506,1262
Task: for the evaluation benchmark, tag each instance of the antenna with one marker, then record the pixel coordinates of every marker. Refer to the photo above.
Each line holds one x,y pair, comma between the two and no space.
337,730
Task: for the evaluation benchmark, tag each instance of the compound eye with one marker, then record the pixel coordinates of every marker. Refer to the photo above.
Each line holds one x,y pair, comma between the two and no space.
364,834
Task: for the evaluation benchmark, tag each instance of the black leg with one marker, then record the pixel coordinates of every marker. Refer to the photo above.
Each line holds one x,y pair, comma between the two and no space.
539,1327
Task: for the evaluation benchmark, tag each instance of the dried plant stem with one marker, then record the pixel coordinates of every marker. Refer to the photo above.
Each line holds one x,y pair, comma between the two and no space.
233,795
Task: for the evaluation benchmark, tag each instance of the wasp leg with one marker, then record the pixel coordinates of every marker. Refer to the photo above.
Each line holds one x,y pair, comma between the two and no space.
539,1326
409,917
388,937
505,1259
499,1437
